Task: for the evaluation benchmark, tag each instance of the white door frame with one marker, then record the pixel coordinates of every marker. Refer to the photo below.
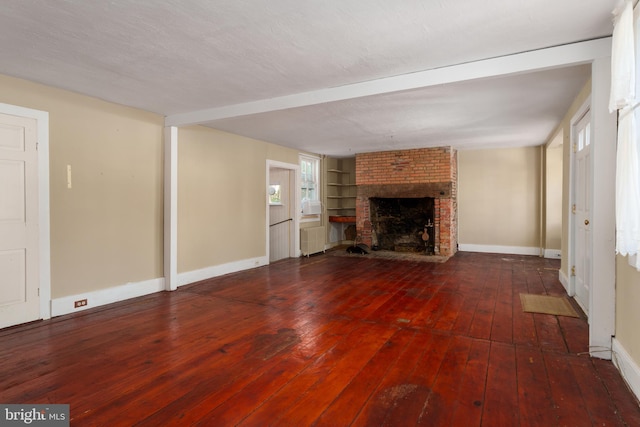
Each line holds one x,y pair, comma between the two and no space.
602,308
294,244
44,240
578,115
603,220
170,208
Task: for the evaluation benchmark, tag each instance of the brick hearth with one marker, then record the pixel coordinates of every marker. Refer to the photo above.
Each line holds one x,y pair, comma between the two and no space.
425,172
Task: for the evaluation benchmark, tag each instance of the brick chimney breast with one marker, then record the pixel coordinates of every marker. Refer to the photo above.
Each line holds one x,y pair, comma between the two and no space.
424,172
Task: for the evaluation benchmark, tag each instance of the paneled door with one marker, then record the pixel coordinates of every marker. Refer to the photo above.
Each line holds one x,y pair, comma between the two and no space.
19,300
581,210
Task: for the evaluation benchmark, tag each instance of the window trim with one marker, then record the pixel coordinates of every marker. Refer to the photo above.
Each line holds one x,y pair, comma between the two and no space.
316,160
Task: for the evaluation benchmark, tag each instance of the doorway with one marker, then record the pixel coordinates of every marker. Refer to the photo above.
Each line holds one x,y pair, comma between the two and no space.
283,234
581,210
24,219
599,232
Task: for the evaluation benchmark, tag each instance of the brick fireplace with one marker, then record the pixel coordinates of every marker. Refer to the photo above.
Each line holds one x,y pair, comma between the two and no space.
411,174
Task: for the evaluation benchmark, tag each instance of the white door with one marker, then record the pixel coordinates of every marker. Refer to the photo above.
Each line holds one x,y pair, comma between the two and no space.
581,208
280,214
19,300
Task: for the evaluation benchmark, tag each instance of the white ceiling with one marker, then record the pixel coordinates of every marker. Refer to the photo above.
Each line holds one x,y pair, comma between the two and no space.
180,57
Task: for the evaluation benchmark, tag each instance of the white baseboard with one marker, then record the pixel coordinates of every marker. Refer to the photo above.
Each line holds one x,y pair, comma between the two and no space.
553,253
65,305
494,249
220,270
628,368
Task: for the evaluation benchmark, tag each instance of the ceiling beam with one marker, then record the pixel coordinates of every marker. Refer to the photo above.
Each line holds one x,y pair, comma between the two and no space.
536,60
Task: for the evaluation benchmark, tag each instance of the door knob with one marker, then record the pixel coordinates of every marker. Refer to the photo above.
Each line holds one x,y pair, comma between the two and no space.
586,222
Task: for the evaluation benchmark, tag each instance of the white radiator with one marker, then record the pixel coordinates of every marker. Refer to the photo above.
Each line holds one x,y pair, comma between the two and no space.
312,240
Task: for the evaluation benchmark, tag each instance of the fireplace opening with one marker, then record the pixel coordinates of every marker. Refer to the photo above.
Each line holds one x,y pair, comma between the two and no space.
403,224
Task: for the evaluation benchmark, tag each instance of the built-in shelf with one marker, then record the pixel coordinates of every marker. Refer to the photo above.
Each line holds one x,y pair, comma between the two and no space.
340,199
342,219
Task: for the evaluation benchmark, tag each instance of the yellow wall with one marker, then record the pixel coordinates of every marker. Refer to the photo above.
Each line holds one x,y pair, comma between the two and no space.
499,197
222,196
553,197
107,229
627,313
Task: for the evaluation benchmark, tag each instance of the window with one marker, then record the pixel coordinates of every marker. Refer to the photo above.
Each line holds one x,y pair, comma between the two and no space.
309,182
584,137
275,196
310,185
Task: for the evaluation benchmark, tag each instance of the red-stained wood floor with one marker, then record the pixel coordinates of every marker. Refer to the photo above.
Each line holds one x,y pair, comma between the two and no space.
328,341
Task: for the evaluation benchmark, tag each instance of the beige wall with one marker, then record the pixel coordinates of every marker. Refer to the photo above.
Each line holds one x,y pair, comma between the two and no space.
282,154
222,196
627,313
499,197
107,229
553,195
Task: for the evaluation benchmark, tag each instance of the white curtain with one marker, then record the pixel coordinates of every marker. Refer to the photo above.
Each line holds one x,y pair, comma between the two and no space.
627,186
624,56
623,87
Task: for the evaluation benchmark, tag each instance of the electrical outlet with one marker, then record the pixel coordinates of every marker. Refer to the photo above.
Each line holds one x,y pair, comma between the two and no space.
80,303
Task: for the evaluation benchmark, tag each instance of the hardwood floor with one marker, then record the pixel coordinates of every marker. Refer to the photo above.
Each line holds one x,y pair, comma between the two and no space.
327,341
